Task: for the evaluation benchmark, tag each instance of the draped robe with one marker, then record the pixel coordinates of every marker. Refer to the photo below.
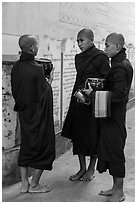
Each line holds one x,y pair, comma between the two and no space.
80,126
34,104
113,132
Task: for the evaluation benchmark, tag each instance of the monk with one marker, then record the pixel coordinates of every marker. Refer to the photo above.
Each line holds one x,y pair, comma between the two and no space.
113,131
112,136
33,97
80,125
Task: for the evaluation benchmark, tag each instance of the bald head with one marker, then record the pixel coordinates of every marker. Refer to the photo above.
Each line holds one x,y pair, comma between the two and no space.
116,38
87,32
26,42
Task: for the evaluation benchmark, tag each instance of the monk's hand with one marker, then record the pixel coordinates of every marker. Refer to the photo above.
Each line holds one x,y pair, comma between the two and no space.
51,76
79,96
79,101
89,90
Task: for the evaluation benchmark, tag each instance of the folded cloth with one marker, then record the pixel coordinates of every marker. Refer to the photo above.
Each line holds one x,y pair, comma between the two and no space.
102,104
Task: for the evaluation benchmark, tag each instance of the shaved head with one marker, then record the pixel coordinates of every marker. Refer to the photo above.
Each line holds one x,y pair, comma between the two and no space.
26,41
116,38
87,32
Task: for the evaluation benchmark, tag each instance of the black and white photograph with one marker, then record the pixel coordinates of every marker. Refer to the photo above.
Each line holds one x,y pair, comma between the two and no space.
68,101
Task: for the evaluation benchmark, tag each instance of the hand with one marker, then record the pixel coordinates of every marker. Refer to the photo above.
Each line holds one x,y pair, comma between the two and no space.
89,90
51,76
79,96
79,101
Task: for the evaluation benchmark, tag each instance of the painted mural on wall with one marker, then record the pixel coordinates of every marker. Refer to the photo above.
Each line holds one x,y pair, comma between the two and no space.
50,49
69,72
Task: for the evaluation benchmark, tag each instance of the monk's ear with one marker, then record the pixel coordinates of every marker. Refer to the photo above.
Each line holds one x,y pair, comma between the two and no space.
91,41
117,46
32,48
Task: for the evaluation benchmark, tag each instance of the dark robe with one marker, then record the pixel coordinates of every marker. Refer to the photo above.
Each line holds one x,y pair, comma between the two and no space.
80,125
34,104
112,130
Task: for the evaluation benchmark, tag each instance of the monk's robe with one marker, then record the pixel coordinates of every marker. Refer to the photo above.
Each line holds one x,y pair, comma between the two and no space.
112,136
80,125
34,104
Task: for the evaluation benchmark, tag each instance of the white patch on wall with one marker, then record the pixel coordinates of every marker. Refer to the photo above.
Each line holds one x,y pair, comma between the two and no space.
10,44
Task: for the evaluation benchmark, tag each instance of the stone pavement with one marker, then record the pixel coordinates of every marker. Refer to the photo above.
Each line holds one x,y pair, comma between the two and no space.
64,190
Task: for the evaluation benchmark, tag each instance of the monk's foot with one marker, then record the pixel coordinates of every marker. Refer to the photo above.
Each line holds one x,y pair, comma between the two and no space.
107,193
88,176
77,176
39,189
25,187
117,196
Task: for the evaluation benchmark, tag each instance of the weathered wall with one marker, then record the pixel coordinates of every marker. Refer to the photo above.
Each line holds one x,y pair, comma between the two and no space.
56,25
64,19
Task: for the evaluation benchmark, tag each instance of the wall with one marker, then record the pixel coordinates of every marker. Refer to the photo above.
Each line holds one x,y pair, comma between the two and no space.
64,19
55,25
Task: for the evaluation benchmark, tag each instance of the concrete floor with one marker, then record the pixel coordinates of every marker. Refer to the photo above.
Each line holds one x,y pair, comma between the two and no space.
64,190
